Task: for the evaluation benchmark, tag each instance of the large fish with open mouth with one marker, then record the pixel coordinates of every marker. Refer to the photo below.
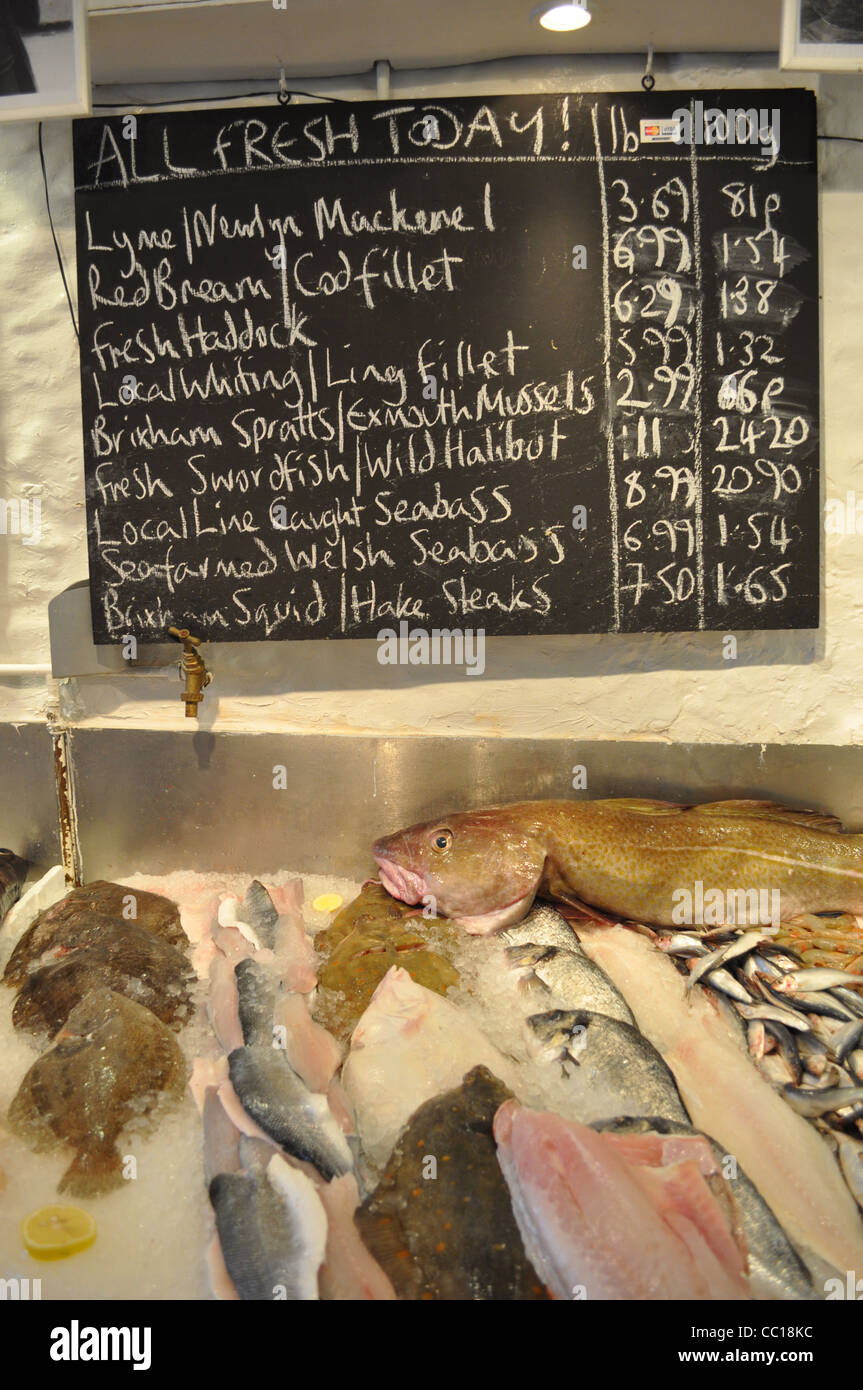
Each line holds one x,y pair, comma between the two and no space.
627,859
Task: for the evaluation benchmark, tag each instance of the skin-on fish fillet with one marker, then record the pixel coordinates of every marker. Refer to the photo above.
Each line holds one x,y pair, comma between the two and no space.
410,1045
726,1097
597,1226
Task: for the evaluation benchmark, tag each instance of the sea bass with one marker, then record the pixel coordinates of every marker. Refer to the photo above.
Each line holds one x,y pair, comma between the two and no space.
627,858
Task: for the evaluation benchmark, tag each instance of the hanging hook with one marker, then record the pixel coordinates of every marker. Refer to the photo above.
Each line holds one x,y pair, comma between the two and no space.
648,81
283,93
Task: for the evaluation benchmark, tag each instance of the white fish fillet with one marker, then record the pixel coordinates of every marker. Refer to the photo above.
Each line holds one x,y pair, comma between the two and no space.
349,1272
599,1226
314,1054
410,1045
781,1153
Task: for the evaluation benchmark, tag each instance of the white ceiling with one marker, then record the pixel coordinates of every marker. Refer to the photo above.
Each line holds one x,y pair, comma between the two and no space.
150,40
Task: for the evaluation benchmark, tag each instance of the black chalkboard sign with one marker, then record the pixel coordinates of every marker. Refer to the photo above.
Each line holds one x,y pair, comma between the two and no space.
531,364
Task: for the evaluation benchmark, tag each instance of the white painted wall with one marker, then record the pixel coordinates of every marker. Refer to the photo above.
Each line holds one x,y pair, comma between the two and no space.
783,688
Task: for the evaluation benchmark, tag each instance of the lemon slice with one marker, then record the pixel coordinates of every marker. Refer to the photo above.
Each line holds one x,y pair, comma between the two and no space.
53,1233
327,902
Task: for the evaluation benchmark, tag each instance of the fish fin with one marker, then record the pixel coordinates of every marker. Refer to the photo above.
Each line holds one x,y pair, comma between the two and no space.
574,910
643,805
94,1169
770,810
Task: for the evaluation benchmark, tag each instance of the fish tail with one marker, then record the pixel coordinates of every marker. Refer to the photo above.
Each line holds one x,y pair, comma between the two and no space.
94,1169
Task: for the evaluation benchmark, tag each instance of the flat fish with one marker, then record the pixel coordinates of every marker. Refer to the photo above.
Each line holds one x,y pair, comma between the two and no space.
273,1230
455,1237
776,1270
614,1055
58,925
409,1046
113,1062
298,1119
13,872
126,959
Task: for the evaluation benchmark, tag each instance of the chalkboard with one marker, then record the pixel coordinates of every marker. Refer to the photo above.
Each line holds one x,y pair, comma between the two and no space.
530,364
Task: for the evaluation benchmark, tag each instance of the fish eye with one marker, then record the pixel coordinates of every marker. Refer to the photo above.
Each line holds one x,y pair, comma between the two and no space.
441,840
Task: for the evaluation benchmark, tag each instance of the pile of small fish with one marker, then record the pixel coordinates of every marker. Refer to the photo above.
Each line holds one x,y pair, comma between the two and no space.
804,1025
102,973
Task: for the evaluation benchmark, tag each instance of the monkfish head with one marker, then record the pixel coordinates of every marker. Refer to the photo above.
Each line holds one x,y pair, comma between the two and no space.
482,868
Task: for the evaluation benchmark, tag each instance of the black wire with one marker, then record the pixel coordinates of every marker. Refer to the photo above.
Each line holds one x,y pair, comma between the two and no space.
215,98
857,139
54,235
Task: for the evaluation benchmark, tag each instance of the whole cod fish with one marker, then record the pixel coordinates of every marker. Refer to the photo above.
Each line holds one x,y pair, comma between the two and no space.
648,861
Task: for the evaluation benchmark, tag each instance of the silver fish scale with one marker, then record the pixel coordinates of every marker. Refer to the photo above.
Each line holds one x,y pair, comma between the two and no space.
543,926
576,982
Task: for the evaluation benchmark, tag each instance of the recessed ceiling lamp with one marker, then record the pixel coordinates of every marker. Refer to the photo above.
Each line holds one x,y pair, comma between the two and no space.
562,16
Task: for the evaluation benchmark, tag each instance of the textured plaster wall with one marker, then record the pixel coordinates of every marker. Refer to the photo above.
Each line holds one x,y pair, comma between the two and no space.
783,687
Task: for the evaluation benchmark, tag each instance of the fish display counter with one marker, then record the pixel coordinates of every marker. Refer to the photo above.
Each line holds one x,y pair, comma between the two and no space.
505,1058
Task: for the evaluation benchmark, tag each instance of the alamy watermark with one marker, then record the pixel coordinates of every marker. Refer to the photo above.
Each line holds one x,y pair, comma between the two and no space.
717,907
436,646
735,126
21,517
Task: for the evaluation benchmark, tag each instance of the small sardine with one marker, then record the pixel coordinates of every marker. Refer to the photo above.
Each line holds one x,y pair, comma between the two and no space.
788,1048
768,1011
819,1003
725,982
819,978
851,1000
682,944
845,1039
813,1053
812,1103
298,1119
741,946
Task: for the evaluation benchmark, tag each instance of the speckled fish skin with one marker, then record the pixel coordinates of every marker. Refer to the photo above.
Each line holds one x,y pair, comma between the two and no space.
624,857
60,925
455,1237
125,959
112,1062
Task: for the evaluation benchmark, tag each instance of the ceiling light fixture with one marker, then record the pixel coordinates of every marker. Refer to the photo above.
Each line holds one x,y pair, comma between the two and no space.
562,16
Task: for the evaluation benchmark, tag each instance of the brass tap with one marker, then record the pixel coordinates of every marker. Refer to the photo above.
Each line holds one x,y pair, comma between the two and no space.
191,667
